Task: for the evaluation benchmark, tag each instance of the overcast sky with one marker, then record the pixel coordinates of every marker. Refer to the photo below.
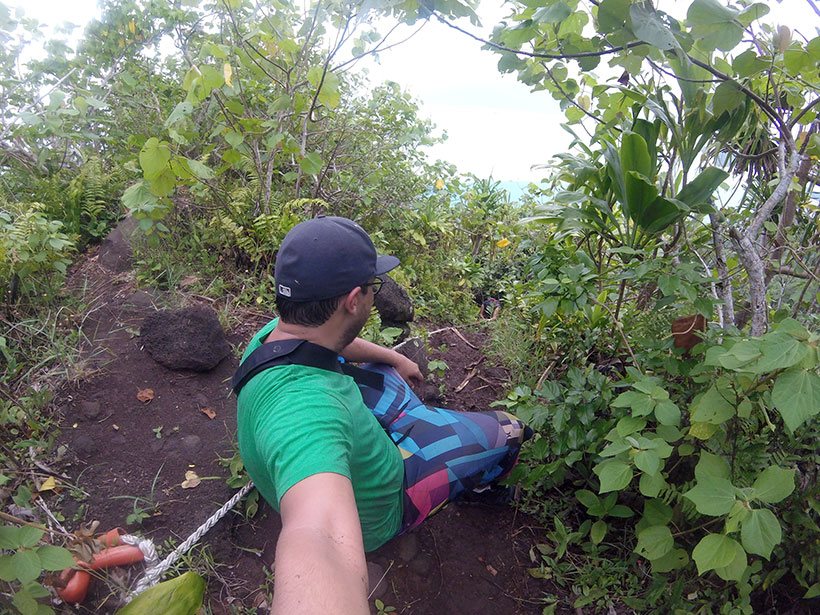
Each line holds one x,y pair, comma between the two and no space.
496,126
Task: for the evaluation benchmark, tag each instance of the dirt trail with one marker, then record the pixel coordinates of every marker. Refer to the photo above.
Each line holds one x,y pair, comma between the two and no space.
468,559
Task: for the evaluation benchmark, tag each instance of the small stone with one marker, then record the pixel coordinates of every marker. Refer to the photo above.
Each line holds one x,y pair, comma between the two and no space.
90,409
192,443
408,547
375,582
84,446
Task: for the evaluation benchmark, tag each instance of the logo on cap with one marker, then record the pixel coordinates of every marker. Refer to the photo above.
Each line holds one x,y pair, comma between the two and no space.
284,290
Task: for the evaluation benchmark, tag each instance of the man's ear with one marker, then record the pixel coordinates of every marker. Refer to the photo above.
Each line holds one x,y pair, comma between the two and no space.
353,301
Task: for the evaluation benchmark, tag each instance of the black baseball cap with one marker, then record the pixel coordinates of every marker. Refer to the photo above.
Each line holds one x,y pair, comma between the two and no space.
326,257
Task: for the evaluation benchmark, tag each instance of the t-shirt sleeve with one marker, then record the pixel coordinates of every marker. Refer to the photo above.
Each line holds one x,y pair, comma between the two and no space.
315,437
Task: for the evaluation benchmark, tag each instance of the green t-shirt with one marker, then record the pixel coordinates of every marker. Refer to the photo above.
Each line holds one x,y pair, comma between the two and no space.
294,421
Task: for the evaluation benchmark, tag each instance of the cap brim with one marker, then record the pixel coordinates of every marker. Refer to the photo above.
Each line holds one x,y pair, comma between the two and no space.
385,263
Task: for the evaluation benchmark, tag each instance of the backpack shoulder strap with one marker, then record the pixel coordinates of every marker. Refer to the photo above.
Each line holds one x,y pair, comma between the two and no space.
299,352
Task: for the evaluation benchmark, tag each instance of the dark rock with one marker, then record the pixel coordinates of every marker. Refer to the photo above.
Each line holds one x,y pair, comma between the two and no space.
431,394
192,443
414,350
408,547
377,585
85,446
90,409
116,254
190,338
393,303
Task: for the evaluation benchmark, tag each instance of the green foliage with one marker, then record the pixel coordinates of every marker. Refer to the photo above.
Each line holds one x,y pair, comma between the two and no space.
23,560
182,595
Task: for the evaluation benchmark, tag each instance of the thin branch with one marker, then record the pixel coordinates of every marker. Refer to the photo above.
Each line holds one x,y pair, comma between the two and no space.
803,112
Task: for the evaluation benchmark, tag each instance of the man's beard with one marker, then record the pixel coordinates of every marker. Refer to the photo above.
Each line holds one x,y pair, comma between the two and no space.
353,329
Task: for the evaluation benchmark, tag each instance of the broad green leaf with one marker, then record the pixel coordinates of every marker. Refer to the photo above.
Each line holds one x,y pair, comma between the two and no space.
612,15
182,595
26,565
181,111
698,191
648,27
26,603
734,570
791,327
29,536
659,215
748,64
598,531
613,474
311,164
634,157
619,511
640,195
726,98
713,497
674,560
650,486
812,592
640,403
648,462
200,170
9,536
656,512
774,484
154,158
761,532
714,24
138,197
55,558
741,354
629,425
7,571
234,139
780,351
736,516
654,542
667,413
589,500
711,407
796,395
554,13
710,465
753,13
714,551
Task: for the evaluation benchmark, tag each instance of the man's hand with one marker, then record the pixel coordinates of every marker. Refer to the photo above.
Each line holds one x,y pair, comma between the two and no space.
408,370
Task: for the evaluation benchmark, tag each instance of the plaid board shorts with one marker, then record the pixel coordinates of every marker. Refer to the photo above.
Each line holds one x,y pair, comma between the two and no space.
445,452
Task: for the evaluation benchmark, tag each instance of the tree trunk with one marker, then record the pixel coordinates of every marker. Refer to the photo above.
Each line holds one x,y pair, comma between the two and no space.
724,281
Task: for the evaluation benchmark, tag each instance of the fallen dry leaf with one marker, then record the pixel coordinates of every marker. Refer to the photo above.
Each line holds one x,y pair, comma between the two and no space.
188,280
48,484
492,570
210,413
191,480
145,395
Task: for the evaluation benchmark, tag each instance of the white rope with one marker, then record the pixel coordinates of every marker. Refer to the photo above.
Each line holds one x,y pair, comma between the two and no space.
154,570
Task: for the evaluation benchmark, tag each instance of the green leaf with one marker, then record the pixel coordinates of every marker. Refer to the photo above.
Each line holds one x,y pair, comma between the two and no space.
667,413
761,532
554,13
654,542
26,603
796,395
154,158
612,15
598,531
651,486
714,551
182,595
9,536
29,536
311,164
234,139
726,98
629,425
698,191
656,512
7,571
712,407
714,25
613,474
780,351
200,170
55,558
640,403
659,215
26,565
648,27
674,560
589,500
710,465
713,497
734,570
648,462
774,484
791,327
748,64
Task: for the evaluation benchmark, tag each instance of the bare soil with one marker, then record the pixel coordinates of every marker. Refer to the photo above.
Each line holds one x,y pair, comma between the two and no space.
469,558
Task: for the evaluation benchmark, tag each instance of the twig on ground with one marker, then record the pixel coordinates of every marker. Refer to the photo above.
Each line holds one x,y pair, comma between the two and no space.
372,591
546,373
469,376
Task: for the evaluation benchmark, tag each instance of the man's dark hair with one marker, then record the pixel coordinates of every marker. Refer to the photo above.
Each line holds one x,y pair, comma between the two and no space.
309,313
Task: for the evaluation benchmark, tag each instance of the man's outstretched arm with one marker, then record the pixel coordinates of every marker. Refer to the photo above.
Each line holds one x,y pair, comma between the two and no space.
361,351
320,565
